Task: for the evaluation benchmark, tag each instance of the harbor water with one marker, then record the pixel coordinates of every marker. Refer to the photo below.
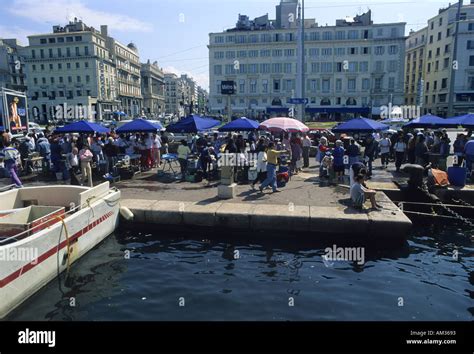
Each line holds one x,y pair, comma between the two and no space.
175,275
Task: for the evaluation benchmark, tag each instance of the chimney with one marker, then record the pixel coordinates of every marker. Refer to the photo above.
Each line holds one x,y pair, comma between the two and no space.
104,30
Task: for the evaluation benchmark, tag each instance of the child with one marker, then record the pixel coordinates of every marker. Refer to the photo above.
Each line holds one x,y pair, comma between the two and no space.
359,194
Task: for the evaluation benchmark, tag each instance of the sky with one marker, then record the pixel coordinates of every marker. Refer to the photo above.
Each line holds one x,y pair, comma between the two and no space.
176,32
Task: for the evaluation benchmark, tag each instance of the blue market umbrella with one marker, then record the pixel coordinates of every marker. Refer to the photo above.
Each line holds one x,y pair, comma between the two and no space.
362,125
2,129
467,121
82,127
140,126
192,124
427,121
240,125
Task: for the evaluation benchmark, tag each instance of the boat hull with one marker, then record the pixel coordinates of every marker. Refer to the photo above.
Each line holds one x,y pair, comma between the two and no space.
54,249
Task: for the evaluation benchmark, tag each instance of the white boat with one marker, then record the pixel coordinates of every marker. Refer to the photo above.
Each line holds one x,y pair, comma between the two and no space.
43,230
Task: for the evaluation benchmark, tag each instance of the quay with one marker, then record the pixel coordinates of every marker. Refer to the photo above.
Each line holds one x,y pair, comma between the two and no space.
304,206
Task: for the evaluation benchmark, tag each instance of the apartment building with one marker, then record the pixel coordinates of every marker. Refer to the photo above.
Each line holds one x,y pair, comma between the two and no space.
70,74
127,62
153,89
352,68
415,67
12,66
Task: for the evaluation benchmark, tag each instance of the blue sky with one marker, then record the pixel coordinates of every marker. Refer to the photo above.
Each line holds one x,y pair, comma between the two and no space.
177,42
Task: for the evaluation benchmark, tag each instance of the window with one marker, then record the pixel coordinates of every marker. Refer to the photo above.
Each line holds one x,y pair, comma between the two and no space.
353,34
35,80
78,65
439,36
314,85
241,39
351,85
444,83
42,67
470,44
41,53
79,93
219,39
394,32
43,41
78,79
379,66
315,67
52,80
327,36
365,50
253,38
340,35
446,63
277,68
338,85
253,86
265,68
289,52
314,52
364,66
353,67
61,40
378,84
440,21
289,37
326,85
287,68
340,51
253,68
429,67
277,53
219,55
253,53
288,85
326,67
33,67
69,79
391,83
68,52
471,27
33,54
265,53
379,50
50,66
463,16
353,51
264,86
217,69
276,85
50,52
431,39
393,49
61,93
77,51
471,60
78,38
427,86
326,51
86,50
447,48
43,80
448,32
432,25
61,80
365,84
69,39
380,32
314,36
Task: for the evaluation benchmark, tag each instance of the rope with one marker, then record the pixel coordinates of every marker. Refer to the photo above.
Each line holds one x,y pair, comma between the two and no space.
68,246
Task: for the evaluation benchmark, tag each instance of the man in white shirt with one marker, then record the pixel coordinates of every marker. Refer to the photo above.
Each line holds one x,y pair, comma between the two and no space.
384,146
156,150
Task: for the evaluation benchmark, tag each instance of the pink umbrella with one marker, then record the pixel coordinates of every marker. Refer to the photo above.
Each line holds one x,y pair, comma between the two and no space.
279,124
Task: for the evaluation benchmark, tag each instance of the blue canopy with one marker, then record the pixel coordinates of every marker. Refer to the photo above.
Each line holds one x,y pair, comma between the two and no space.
467,121
427,121
82,127
362,125
140,125
192,124
240,125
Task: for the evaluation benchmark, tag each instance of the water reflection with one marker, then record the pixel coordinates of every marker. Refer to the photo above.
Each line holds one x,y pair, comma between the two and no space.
231,278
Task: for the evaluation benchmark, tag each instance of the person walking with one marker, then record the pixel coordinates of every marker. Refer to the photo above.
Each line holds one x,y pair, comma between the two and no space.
421,151
385,145
183,153
469,153
353,152
338,162
261,163
85,157
11,158
458,147
272,162
72,163
306,150
400,148
369,153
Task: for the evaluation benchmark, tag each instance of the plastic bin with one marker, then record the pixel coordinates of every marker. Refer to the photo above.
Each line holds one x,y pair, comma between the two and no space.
457,176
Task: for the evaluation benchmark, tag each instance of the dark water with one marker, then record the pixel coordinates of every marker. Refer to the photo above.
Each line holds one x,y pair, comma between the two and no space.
164,268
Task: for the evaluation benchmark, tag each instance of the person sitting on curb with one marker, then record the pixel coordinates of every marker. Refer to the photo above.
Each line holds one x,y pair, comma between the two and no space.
359,194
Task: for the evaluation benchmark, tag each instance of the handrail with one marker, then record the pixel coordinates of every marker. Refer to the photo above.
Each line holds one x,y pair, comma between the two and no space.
71,211
7,188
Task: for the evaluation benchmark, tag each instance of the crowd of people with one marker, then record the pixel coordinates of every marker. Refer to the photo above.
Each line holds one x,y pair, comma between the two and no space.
79,157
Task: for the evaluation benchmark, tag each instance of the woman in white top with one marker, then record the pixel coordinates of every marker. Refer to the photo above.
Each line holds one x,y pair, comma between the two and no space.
156,150
261,163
